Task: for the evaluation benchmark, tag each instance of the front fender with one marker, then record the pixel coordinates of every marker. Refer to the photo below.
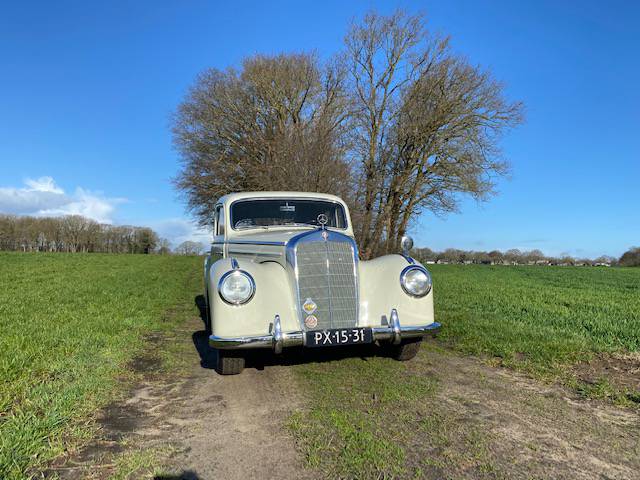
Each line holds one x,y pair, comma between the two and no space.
273,297
380,292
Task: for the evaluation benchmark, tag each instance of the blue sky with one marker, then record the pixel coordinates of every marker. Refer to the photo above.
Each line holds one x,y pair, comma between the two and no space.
87,90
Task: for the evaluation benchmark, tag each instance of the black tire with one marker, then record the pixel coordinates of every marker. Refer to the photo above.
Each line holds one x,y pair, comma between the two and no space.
229,363
207,314
407,350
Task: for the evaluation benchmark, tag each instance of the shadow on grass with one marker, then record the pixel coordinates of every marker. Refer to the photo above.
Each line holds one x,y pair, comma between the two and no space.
261,358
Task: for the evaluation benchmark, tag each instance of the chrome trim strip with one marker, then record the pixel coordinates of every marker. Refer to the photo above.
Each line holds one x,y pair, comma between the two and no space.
289,339
249,242
394,325
261,341
278,339
255,254
409,259
410,331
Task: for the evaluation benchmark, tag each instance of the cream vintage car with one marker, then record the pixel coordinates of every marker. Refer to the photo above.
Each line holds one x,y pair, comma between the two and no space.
283,271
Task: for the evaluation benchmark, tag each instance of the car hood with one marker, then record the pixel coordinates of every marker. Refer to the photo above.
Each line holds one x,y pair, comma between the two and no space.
264,244
271,235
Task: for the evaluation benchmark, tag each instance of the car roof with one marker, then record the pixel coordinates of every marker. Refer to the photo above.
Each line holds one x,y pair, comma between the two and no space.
232,197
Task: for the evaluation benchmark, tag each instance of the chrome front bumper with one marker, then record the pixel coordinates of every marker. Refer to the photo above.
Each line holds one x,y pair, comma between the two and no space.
277,339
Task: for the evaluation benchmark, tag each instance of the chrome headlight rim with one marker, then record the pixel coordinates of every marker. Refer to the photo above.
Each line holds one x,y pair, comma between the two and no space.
237,272
403,276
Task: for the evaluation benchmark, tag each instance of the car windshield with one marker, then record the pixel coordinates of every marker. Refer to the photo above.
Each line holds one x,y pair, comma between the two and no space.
285,212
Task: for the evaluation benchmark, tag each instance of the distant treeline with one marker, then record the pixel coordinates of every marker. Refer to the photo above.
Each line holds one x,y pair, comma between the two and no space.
74,233
510,257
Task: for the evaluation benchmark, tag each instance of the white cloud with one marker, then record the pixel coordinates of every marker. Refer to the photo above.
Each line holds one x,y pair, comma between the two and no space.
43,184
42,197
178,230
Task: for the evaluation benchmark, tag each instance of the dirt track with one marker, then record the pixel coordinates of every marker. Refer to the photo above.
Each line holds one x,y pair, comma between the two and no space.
533,430
226,427
233,427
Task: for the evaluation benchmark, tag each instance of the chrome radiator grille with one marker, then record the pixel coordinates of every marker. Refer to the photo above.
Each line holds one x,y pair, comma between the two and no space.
326,275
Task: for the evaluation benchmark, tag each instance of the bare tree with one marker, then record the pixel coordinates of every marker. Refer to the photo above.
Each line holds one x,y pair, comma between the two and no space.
427,126
567,260
276,124
146,240
398,124
533,256
495,256
609,260
190,248
164,247
630,258
513,255
73,230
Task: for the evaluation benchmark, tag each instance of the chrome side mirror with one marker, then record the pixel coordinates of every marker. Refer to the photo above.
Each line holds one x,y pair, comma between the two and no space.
406,244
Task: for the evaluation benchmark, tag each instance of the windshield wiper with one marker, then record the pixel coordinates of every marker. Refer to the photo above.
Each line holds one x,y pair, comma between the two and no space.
299,224
248,227
264,227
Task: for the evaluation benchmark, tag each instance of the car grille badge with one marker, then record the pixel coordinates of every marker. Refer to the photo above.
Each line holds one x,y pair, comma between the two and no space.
311,321
309,306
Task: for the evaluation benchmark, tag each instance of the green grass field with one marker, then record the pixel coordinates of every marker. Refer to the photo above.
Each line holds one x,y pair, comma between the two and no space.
538,318
69,325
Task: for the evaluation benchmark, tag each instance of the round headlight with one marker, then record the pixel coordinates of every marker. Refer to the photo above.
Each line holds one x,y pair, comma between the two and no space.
236,287
415,281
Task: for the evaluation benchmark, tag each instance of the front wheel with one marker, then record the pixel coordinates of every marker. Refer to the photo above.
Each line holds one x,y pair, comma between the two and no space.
207,312
407,350
229,362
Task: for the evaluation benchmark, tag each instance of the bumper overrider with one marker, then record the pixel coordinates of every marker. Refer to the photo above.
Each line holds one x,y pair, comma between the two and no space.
393,333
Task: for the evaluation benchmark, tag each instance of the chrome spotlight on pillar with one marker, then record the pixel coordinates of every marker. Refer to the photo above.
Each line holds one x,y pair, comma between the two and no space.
406,244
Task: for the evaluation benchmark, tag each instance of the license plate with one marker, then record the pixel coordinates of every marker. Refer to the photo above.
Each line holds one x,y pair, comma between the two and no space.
338,336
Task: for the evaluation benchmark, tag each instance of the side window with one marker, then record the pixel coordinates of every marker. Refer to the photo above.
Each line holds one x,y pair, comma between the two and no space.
216,212
220,220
